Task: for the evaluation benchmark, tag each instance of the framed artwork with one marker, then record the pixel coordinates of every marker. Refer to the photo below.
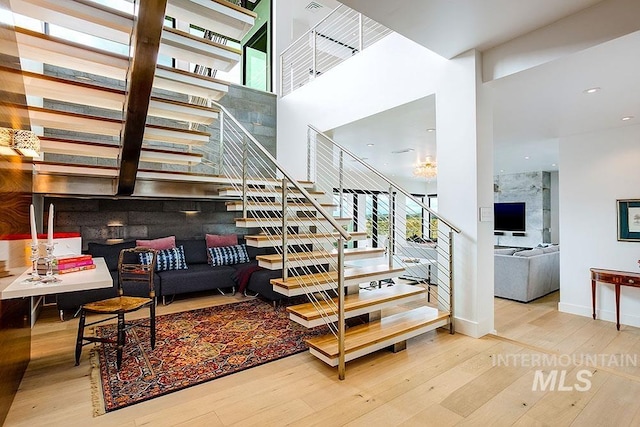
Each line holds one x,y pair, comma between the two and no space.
629,220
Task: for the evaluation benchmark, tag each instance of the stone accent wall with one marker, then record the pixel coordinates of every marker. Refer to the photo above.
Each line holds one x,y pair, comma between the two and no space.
533,188
103,220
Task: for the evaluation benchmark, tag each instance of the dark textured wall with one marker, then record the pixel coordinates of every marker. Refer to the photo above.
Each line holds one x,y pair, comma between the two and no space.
99,220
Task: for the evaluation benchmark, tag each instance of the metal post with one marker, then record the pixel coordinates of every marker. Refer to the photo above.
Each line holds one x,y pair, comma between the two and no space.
309,154
313,54
244,177
341,326
452,326
341,182
390,220
285,250
360,33
221,151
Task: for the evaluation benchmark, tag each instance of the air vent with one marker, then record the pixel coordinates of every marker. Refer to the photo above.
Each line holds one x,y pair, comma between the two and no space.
313,7
406,150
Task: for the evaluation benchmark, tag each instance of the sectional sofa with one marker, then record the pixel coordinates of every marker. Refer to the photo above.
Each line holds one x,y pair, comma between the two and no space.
524,275
198,276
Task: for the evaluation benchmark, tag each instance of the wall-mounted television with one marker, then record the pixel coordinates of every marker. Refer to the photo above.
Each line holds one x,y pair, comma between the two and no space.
509,216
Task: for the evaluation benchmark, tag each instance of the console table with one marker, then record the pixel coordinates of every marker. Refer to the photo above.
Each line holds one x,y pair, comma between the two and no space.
616,278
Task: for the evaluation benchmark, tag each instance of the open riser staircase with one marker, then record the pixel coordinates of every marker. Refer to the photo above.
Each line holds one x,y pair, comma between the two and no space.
74,64
372,292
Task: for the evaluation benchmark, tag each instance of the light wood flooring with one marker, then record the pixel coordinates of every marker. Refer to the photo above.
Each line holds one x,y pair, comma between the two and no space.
439,380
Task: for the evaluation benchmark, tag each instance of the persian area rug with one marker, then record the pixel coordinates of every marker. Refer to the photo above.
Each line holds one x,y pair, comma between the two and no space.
193,347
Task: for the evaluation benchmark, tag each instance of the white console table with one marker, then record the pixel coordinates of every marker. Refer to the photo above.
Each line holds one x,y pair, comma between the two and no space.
17,285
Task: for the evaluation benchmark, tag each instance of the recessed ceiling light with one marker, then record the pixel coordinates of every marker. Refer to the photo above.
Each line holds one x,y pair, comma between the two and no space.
501,170
553,164
592,90
526,157
431,130
627,118
369,145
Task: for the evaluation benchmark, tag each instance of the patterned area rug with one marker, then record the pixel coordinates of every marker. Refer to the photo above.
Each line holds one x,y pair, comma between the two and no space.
191,348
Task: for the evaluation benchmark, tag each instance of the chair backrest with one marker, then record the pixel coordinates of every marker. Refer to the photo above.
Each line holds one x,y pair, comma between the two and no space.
137,266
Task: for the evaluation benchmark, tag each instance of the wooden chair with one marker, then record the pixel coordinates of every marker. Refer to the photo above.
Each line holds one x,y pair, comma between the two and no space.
133,274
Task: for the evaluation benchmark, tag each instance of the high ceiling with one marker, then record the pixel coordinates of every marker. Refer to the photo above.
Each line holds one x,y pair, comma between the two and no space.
533,108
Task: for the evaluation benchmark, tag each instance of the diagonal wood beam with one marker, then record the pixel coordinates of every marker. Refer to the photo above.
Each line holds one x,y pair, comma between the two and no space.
145,43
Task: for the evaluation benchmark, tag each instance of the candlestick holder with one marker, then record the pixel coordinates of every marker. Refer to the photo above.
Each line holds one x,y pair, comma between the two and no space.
34,277
48,259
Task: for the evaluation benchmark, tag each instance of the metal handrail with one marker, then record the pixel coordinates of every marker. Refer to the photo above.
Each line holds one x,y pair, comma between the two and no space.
387,180
344,233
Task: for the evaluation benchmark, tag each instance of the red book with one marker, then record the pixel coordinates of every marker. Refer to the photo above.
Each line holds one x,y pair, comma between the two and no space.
72,258
72,264
82,268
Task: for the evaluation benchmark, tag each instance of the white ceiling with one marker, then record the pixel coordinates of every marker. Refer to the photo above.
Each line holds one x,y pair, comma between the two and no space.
533,108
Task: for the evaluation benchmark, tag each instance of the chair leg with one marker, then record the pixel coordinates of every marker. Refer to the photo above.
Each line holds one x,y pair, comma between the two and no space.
121,338
152,324
80,336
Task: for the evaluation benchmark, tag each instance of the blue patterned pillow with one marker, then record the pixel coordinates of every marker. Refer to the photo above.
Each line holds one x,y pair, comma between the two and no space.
167,259
228,255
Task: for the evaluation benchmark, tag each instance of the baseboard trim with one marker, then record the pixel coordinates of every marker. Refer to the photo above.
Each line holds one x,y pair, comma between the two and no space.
606,315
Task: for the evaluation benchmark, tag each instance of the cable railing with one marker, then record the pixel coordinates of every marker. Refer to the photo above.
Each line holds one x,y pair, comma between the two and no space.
414,236
307,241
340,35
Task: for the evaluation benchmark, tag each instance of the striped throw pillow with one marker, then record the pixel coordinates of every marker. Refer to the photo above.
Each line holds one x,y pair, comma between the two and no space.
228,255
167,259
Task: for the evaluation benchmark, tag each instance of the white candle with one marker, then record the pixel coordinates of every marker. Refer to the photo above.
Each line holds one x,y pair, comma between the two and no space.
50,226
34,233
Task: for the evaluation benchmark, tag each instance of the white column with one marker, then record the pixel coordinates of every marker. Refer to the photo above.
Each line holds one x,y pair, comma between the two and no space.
465,183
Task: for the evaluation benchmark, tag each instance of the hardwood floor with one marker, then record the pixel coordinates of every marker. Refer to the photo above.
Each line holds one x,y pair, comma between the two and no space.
440,380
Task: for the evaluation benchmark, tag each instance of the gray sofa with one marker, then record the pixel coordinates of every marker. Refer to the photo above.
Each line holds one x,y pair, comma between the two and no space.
524,275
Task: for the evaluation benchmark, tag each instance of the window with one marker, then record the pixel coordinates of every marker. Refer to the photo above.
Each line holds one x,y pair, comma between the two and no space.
414,217
433,221
256,64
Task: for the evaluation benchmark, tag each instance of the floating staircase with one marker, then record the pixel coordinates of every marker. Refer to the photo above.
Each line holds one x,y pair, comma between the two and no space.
81,105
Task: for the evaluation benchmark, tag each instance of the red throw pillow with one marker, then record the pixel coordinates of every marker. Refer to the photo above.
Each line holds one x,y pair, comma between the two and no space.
218,240
158,244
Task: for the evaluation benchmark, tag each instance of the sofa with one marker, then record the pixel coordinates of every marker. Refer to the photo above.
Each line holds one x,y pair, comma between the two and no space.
199,275
524,275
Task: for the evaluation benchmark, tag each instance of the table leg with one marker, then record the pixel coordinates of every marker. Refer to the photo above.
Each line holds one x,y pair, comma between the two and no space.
618,307
593,297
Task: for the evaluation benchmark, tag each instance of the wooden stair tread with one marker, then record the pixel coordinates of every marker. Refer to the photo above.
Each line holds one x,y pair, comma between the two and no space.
362,299
350,273
277,237
294,256
369,334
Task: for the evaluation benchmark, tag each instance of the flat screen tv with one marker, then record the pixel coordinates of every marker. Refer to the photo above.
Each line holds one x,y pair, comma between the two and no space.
509,216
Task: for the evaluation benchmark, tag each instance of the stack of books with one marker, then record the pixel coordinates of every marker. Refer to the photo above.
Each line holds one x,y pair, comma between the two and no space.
3,269
67,264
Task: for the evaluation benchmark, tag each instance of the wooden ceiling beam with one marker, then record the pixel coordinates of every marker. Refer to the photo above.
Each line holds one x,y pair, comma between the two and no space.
145,43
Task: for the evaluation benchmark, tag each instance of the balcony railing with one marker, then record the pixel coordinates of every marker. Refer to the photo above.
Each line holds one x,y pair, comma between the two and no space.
340,35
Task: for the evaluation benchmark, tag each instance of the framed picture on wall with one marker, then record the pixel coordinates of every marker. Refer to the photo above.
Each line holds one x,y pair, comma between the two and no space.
629,220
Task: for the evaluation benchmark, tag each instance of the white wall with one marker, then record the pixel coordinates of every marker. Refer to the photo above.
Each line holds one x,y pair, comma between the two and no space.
596,169
388,74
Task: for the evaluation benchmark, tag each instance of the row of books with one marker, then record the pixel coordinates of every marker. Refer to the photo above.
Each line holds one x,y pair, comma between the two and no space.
67,264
